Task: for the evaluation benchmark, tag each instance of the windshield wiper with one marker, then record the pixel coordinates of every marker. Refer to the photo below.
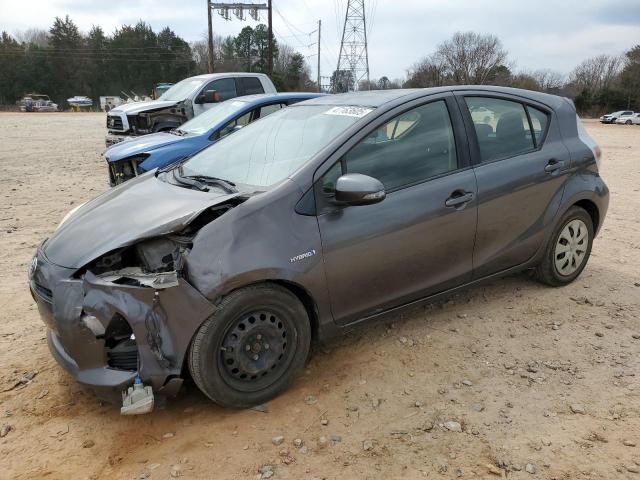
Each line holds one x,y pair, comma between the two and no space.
190,182
177,131
220,182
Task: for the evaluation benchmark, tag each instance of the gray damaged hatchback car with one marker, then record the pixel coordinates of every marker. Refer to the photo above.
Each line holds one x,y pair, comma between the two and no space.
322,216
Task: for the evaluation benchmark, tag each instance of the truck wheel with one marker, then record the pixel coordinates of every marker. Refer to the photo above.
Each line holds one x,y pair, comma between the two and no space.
251,348
568,250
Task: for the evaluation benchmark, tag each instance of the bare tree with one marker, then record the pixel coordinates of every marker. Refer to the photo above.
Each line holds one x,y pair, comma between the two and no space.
471,58
33,36
200,52
283,57
431,71
543,80
597,73
468,58
548,79
223,59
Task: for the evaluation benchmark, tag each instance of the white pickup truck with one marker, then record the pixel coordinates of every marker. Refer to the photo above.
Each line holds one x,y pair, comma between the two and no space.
183,101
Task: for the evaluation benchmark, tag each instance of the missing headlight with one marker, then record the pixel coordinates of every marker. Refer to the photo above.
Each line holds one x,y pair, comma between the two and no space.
122,170
159,255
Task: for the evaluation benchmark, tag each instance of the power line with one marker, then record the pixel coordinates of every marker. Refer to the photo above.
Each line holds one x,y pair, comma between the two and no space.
168,56
290,27
145,60
106,48
372,14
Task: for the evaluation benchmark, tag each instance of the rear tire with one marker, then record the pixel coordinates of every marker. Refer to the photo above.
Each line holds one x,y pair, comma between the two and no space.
628,122
252,347
568,250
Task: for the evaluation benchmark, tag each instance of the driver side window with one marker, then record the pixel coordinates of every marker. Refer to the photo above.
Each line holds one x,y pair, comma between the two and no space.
410,148
226,87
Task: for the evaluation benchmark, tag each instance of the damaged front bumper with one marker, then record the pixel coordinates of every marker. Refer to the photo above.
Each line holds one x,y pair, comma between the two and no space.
106,333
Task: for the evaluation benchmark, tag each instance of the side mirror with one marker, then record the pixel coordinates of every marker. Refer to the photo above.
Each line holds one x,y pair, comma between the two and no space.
209,96
358,189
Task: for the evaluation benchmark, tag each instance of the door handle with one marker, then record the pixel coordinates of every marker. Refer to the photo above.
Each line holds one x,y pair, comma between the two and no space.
458,198
553,165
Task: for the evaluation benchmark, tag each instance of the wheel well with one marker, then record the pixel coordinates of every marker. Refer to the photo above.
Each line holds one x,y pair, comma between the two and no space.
307,301
592,210
302,295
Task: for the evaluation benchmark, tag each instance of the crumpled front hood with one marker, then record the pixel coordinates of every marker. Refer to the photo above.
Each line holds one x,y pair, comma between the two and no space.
138,145
141,208
137,107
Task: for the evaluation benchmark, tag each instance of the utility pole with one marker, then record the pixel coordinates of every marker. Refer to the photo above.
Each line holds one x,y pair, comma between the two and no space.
319,37
354,56
239,9
210,40
270,34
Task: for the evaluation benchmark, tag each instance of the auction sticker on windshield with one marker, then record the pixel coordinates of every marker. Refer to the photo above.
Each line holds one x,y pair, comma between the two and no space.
357,112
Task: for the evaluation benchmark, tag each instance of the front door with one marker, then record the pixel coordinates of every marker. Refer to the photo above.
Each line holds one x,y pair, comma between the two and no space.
417,241
226,87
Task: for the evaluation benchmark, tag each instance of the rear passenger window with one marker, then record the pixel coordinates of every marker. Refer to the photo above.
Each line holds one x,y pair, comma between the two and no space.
501,126
539,121
410,148
250,85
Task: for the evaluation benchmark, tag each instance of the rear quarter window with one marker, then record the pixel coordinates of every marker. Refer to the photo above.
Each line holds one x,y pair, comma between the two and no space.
539,122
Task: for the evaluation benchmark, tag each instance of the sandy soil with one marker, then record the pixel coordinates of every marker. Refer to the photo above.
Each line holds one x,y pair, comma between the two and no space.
507,361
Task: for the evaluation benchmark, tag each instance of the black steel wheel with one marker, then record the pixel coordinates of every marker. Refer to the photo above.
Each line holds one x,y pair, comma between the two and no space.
250,349
254,347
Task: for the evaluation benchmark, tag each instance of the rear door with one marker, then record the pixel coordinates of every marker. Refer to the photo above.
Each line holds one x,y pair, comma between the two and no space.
417,241
249,86
520,165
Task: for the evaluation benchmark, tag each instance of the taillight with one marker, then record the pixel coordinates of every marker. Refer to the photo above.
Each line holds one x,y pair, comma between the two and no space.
588,141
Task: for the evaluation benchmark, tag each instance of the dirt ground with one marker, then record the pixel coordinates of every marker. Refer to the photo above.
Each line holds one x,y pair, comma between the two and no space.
543,383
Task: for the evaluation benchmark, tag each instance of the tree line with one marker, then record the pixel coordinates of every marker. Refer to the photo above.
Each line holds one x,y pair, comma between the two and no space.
603,83
63,61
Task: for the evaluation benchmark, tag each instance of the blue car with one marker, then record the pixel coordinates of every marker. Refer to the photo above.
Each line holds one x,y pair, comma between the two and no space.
133,157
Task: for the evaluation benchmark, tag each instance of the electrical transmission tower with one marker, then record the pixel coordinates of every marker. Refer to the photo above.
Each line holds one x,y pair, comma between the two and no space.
353,62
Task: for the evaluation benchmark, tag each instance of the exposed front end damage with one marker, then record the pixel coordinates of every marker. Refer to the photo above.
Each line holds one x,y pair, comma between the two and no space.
149,117
128,316
126,169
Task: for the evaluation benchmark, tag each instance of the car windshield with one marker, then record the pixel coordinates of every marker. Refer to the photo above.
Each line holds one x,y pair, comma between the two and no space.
213,116
268,151
182,90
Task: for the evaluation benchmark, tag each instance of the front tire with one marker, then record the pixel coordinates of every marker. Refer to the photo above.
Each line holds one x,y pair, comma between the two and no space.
628,122
568,249
252,347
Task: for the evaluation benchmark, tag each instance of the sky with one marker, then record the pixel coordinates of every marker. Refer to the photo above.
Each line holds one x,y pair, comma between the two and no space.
541,34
